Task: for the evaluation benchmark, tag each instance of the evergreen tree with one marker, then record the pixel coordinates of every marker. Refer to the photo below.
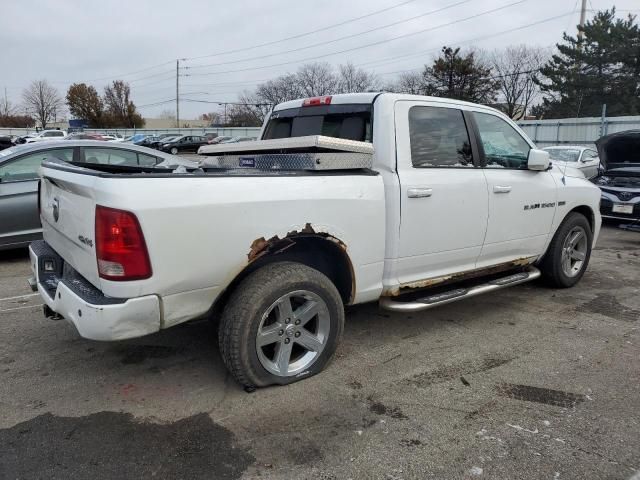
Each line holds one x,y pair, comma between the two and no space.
602,67
463,77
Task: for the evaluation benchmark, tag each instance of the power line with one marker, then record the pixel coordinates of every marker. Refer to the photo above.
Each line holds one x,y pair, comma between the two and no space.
244,48
155,104
66,82
335,25
322,44
227,103
406,35
473,40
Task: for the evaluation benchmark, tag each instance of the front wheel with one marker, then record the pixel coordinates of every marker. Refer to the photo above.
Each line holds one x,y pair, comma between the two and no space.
282,323
174,150
569,252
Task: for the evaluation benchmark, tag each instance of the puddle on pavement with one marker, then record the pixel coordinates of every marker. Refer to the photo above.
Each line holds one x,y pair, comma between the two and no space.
609,306
547,396
110,445
465,367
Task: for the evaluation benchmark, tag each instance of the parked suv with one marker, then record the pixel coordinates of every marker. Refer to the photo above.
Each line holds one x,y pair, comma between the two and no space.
47,135
184,143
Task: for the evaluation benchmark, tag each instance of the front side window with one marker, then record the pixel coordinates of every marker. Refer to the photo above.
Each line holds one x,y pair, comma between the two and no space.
109,156
503,146
26,168
439,138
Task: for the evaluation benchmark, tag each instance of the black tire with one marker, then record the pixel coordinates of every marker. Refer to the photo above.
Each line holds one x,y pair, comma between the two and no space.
551,264
251,299
174,151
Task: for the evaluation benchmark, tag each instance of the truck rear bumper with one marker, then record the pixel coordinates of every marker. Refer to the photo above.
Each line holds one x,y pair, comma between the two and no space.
95,316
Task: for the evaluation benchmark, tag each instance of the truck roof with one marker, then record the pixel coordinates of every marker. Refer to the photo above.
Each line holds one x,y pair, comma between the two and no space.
370,97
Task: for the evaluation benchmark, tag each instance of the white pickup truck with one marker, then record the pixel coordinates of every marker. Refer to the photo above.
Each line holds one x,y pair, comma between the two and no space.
457,201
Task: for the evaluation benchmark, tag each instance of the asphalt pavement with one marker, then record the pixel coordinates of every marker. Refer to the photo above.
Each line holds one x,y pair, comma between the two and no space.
529,383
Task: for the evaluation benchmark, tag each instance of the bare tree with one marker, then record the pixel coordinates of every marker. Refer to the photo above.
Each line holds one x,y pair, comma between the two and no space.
42,101
517,69
408,82
286,87
316,79
6,107
352,79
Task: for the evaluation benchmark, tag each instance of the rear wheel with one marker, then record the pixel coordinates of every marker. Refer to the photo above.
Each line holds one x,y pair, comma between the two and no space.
282,323
569,252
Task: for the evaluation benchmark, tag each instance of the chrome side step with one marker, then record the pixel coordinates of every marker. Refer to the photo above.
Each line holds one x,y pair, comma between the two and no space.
443,298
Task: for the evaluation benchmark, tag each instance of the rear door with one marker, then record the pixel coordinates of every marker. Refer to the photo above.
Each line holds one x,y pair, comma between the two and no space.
522,202
443,204
18,195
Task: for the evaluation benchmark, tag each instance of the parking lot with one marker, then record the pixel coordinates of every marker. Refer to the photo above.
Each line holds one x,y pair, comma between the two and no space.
529,383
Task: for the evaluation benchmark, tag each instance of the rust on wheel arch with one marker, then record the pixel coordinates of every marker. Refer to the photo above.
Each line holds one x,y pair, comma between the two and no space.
261,247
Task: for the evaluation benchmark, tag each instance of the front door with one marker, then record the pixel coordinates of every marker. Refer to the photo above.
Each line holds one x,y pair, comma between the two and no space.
522,202
443,204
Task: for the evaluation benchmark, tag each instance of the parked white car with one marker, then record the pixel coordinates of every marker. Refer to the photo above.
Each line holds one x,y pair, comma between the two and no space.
583,158
113,137
410,193
48,135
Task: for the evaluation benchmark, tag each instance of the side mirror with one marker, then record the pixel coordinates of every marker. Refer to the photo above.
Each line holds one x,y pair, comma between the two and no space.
538,160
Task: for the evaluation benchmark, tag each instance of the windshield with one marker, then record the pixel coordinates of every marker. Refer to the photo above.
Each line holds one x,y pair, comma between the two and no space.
564,154
348,121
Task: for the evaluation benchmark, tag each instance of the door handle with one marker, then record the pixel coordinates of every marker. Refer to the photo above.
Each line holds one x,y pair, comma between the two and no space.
419,192
501,188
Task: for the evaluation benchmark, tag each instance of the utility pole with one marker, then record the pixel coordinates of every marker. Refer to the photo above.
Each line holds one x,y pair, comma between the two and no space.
178,93
583,15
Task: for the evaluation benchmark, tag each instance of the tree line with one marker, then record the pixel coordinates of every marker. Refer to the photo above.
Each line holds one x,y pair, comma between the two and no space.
42,104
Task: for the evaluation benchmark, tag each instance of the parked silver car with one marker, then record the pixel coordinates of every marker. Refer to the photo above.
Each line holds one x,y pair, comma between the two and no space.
583,158
19,218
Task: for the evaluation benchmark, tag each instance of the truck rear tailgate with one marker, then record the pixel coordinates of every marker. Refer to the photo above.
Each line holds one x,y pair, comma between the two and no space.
67,210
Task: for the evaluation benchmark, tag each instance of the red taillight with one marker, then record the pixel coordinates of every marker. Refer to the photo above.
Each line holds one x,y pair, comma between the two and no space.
120,247
314,101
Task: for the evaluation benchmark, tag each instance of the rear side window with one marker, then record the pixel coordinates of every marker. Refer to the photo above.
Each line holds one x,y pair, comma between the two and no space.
439,138
26,168
351,122
109,156
146,160
503,146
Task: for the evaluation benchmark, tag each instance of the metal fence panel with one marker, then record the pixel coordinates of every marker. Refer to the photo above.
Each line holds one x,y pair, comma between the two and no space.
580,131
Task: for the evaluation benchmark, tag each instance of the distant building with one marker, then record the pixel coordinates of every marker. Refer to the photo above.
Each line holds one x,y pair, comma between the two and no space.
159,123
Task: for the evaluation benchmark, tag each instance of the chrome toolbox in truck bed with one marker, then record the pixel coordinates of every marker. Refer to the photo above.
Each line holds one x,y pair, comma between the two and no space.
314,152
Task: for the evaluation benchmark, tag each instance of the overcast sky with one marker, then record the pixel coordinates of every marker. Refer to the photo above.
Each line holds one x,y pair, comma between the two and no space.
66,41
